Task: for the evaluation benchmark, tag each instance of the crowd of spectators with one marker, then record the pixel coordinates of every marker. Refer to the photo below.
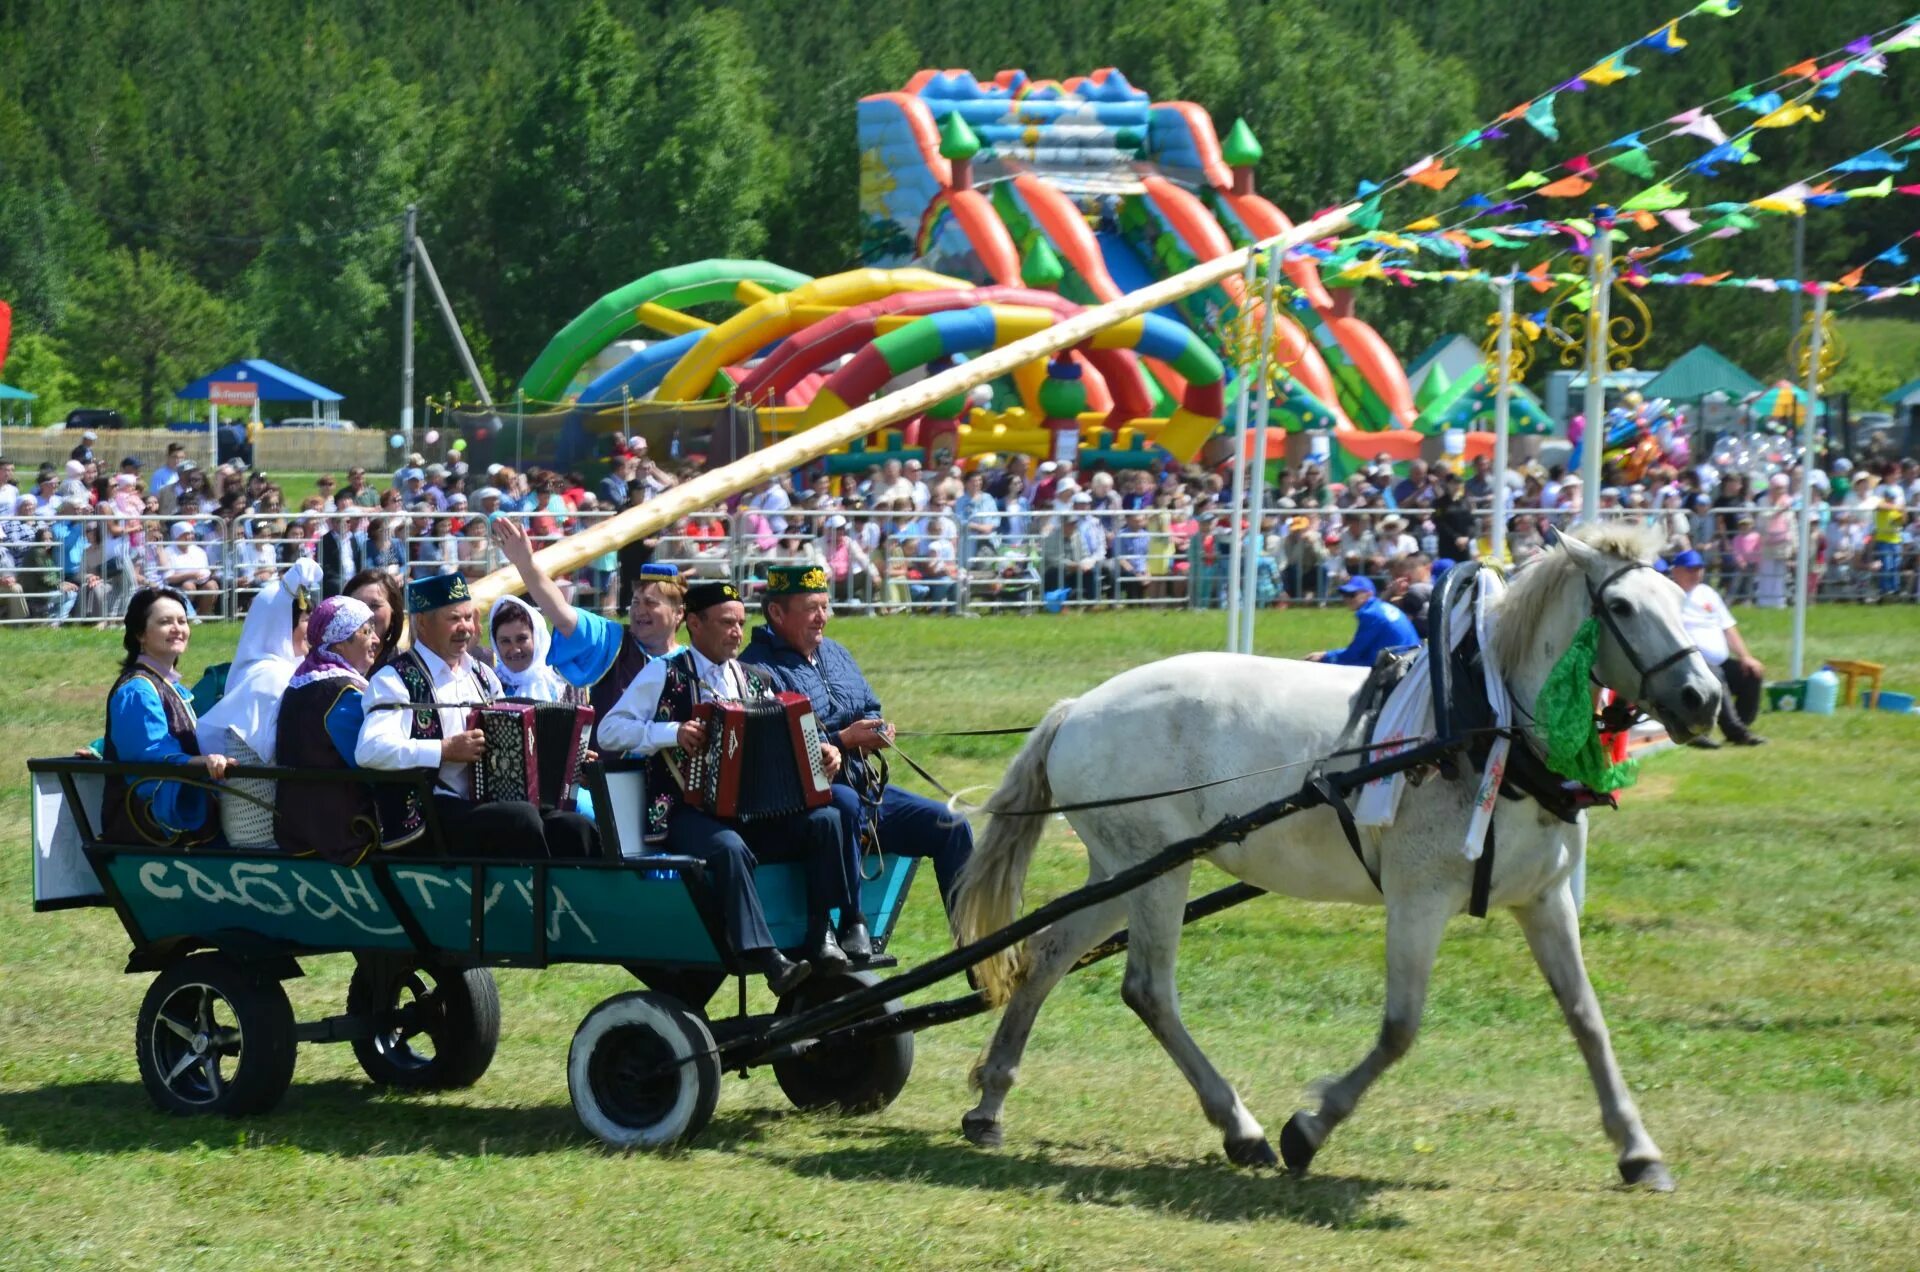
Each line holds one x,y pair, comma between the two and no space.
77,541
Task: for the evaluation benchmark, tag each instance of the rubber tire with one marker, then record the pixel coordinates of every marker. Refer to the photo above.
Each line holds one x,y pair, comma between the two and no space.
641,1028
463,1020
258,1007
863,1078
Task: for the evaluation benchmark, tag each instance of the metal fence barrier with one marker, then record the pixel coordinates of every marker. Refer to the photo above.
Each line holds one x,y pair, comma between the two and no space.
962,560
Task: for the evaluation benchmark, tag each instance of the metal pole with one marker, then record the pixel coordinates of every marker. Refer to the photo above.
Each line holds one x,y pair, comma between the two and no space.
1801,563
1238,498
1595,441
406,330
1257,465
1502,410
453,324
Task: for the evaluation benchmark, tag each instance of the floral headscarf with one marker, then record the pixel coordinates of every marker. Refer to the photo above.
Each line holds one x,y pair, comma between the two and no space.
336,619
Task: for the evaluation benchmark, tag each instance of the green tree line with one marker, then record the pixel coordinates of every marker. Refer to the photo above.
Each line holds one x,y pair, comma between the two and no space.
181,184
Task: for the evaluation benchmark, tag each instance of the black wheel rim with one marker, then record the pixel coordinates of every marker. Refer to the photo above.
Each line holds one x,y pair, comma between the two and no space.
624,1076
405,1036
197,1044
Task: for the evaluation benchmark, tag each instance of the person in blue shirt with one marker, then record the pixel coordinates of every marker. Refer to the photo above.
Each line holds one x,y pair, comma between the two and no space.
150,720
1377,626
318,727
794,649
591,652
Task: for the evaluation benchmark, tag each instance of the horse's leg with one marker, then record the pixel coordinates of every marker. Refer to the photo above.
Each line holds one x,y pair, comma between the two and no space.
1155,913
1553,933
1414,928
1051,954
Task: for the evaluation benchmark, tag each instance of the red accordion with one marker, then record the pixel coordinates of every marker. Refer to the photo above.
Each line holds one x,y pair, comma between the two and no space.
762,759
534,752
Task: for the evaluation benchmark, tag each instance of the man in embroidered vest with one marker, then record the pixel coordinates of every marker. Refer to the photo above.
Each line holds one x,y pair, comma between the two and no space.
794,649
402,733
654,718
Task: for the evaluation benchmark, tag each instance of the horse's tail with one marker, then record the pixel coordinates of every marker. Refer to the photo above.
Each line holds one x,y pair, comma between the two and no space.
989,893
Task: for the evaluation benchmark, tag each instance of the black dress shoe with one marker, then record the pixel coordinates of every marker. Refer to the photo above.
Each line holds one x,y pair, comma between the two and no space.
825,954
856,941
782,973
1705,744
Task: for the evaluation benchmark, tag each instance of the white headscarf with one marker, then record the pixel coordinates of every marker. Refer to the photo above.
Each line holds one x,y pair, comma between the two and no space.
539,681
262,665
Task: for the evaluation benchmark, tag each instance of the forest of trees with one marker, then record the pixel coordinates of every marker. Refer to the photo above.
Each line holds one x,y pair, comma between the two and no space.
184,183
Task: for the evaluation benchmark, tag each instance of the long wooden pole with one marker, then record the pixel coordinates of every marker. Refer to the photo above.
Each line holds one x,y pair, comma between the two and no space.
1594,444
714,487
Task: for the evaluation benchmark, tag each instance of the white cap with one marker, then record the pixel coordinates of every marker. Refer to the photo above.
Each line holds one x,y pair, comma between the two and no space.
1047,466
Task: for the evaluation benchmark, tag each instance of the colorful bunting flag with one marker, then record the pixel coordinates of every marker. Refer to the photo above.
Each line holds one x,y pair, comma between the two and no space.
1534,180
1698,123
1655,198
1611,71
1635,163
1871,160
1764,104
1787,116
1540,115
1566,188
1430,174
1666,39
1718,8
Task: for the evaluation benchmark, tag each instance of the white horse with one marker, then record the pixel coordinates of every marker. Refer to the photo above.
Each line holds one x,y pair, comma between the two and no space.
1200,717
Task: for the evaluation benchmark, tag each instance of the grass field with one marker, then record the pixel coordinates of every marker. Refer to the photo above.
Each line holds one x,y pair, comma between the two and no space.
1751,926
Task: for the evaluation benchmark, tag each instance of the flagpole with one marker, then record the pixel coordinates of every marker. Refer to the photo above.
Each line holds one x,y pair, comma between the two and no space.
1238,498
1502,409
1801,557
1257,464
1594,442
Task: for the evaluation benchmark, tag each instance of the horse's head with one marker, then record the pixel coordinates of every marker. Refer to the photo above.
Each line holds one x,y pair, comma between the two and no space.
1644,653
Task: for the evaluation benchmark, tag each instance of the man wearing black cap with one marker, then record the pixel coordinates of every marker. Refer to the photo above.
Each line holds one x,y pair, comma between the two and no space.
655,718
1378,626
401,735
589,651
794,649
1711,626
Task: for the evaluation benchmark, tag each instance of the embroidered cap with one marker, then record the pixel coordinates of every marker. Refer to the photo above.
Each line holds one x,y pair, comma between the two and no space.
704,596
795,580
436,591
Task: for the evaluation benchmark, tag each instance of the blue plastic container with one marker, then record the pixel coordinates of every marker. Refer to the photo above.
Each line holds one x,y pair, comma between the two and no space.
1823,692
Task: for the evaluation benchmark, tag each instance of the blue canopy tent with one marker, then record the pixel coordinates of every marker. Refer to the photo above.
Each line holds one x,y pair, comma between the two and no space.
249,382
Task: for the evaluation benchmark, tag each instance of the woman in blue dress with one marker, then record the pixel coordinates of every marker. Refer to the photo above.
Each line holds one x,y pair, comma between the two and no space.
150,720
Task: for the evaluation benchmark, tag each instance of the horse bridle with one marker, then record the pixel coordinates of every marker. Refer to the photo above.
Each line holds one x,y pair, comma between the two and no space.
1598,596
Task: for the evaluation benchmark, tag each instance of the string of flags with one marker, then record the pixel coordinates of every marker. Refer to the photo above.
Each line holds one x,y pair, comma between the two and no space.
1433,172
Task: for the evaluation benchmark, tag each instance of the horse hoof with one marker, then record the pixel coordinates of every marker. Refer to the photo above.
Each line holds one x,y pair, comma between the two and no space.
1295,1148
1254,1154
1652,1175
982,1132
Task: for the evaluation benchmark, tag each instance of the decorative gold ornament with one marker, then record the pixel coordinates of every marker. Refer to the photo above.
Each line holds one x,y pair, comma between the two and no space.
1629,325
1832,350
1519,353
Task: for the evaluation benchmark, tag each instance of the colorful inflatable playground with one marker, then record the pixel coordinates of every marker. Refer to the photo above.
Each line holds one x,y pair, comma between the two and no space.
992,210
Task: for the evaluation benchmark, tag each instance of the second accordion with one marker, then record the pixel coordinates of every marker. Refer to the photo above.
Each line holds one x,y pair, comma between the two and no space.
534,752
761,760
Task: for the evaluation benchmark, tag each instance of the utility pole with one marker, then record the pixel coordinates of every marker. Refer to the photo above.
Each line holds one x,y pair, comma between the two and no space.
406,330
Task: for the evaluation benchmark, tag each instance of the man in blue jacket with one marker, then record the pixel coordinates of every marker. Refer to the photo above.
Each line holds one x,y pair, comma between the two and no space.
794,650
1378,626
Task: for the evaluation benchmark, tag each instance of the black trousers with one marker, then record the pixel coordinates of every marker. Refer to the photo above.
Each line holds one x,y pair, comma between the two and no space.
731,850
1740,701
515,829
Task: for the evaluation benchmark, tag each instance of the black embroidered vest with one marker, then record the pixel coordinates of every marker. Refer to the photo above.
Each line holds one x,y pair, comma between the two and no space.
126,813
402,817
677,700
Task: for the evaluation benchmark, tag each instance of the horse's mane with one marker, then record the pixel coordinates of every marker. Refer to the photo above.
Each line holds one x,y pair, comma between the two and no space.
1533,589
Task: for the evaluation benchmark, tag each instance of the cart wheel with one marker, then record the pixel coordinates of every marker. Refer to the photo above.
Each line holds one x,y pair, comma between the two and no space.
435,1028
861,1077
611,1072
215,1037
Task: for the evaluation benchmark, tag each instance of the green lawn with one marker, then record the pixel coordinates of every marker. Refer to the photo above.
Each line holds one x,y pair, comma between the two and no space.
1752,930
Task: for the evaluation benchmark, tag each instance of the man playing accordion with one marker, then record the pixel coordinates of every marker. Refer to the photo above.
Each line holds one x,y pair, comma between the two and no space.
657,717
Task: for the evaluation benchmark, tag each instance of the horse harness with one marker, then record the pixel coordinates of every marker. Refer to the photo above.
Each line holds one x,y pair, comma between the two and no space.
1597,594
